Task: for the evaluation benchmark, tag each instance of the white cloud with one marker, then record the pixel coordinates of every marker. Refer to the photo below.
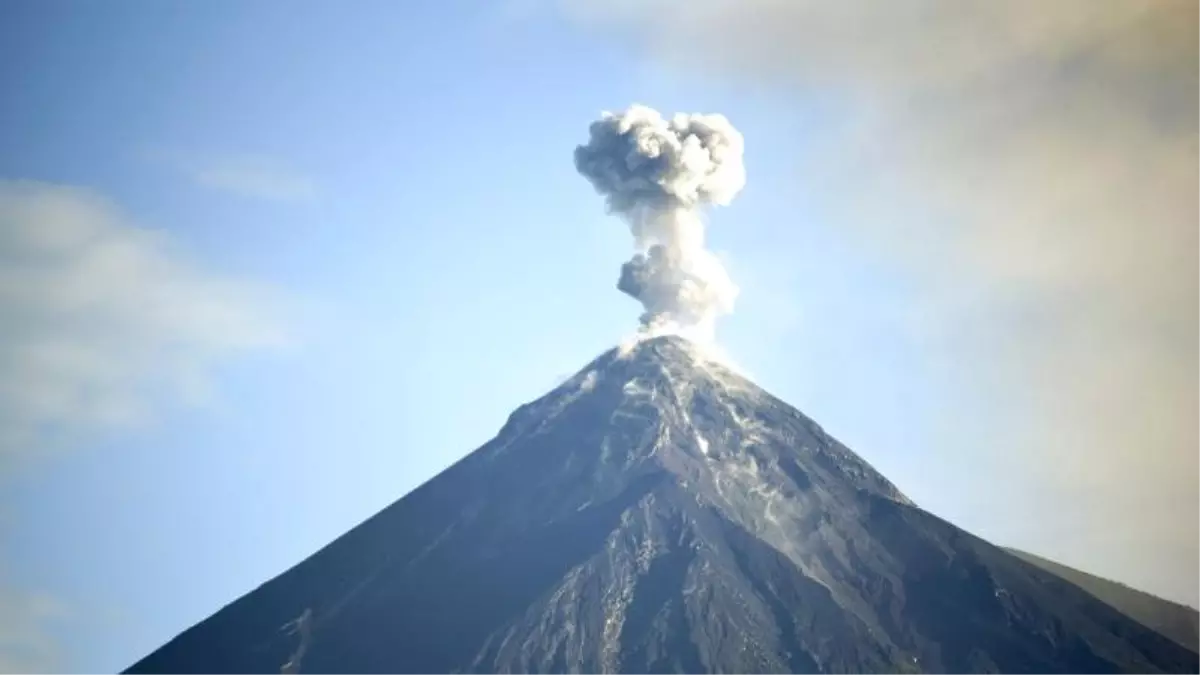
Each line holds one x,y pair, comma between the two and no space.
103,319
255,177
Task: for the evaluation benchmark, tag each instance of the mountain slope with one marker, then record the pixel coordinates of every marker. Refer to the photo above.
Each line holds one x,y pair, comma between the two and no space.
1178,622
657,512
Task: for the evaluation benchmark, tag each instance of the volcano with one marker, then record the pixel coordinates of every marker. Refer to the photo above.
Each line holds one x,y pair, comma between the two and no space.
658,512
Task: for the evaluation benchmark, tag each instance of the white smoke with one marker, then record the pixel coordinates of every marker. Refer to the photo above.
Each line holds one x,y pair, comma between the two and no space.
659,175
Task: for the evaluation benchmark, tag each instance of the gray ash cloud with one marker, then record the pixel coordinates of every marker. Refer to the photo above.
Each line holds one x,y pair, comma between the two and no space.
659,175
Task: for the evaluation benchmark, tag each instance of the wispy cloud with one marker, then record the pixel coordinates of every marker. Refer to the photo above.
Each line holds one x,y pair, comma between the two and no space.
26,644
1032,167
104,319
246,175
255,177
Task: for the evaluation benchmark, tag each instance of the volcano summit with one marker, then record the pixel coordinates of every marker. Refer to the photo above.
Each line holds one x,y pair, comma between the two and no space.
658,512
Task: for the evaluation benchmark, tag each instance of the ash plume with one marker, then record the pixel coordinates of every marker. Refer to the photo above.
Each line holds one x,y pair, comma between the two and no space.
659,175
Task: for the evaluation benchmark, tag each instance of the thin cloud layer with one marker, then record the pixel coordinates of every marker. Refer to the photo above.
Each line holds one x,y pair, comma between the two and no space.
26,645
104,319
255,177
1032,167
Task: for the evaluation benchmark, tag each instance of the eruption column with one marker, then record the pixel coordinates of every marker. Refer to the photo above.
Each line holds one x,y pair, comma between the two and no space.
659,175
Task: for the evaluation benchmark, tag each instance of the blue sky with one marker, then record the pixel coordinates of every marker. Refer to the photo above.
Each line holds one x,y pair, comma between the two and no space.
369,245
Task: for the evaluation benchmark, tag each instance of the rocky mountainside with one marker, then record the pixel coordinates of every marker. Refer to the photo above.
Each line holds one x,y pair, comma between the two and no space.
1178,622
657,512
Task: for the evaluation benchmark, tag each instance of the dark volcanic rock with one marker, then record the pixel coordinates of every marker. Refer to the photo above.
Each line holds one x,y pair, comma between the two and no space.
659,513
1178,622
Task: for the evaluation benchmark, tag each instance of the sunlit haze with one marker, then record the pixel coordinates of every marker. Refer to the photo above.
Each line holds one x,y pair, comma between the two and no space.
266,267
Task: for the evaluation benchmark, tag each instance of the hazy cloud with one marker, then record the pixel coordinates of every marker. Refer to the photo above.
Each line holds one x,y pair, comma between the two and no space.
26,646
255,177
245,175
1032,166
102,318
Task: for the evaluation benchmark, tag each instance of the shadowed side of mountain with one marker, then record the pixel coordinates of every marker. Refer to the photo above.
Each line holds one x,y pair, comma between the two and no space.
1178,622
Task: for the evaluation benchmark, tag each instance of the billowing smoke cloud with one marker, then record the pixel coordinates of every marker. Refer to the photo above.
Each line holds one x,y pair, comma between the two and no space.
659,175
